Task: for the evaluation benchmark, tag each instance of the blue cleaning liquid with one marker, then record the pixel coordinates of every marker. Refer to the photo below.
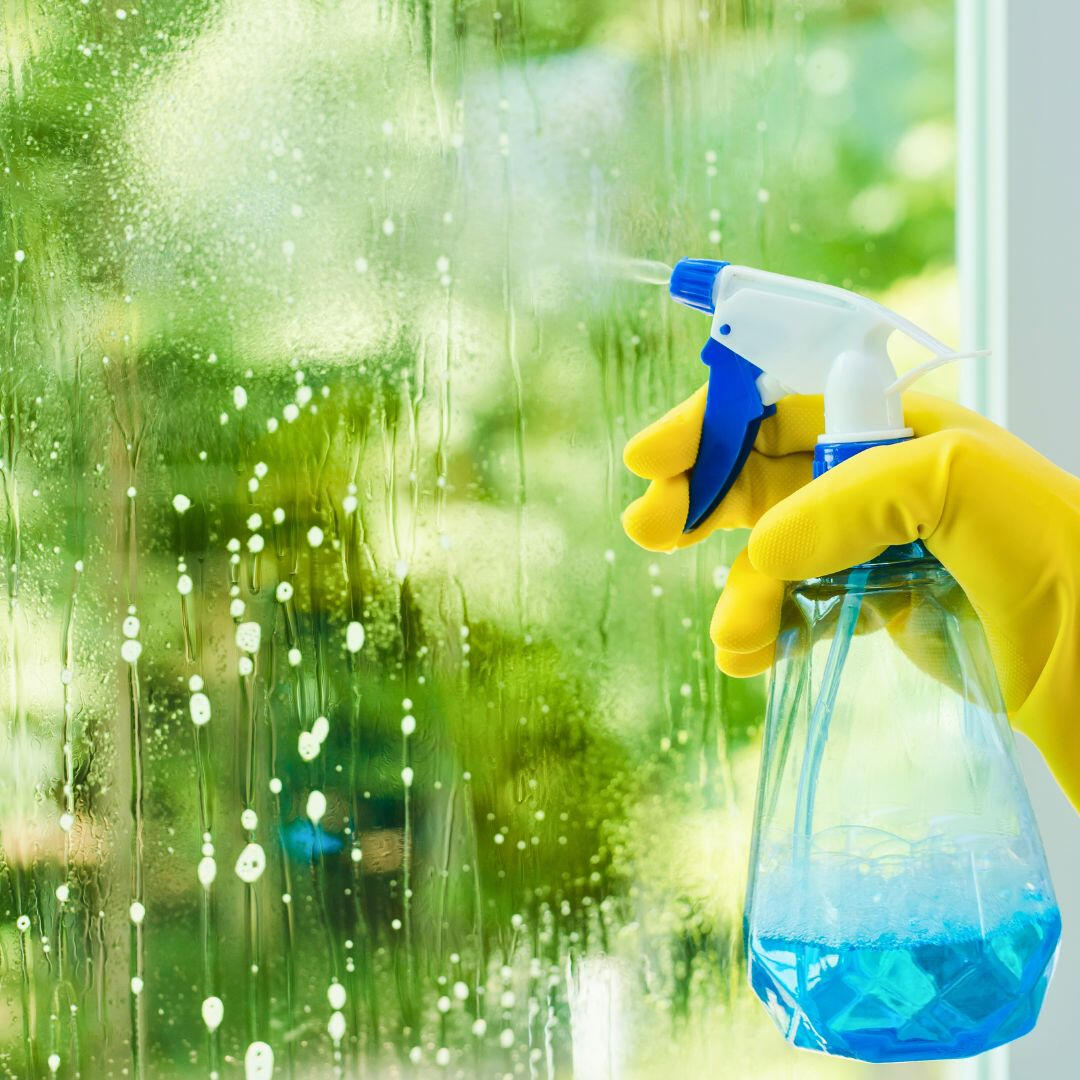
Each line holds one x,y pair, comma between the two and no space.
951,995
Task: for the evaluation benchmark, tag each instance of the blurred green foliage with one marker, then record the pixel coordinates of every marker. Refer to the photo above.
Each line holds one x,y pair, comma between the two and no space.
277,256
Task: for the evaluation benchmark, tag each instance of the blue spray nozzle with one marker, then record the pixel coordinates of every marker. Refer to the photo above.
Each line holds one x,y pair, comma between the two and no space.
693,281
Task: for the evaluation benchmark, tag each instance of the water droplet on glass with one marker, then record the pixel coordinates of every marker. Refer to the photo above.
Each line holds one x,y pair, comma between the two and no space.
213,1011
259,1062
248,636
200,708
316,806
308,746
354,637
207,871
251,863
335,1028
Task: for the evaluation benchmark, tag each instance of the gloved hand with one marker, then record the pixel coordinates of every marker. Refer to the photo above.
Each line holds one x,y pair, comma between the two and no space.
1002,519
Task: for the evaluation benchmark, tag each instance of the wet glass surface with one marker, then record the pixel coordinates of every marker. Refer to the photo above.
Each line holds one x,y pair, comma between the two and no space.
342,728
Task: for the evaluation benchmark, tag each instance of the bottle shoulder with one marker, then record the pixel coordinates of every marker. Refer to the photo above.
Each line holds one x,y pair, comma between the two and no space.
903,566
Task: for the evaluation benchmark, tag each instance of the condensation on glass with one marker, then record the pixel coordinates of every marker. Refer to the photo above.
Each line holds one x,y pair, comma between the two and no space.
343,733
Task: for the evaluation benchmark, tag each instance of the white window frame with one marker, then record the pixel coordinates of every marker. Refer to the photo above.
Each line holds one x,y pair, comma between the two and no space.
1018,260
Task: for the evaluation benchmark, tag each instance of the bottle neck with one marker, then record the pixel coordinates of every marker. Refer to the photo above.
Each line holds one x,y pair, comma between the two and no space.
827,455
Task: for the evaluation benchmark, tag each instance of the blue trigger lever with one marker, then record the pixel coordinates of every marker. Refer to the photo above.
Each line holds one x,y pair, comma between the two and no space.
733,414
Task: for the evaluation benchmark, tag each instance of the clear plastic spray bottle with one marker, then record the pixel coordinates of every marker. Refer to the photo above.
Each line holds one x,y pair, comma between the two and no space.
899,905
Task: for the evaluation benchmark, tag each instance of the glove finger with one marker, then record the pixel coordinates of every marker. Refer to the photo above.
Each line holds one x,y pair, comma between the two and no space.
799,420
747,615
670,445
655,521
886,495
745,665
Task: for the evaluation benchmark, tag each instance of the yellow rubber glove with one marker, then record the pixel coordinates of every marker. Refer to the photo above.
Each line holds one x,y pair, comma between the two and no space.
1003,520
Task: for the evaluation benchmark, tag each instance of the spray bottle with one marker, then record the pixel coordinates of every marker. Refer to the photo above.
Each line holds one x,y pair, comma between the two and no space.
899,905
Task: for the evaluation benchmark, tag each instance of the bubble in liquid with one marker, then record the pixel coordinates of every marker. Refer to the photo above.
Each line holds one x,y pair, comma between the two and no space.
236,608
255,543
181,503
335,1028
248,636
245,666
213,1011
207,871
506,1038
278,515
283,592
335,994
259,1062
130,650
251,863
130,626
407,776
308,746
461,990
290,412
239,396
275,785
408,724
67,819
184,584
22,923
254,522
295,656
314,536
348,504
316,806
479,1027
136,985
443,1004
137,912
200,708
321,728
63,892
354,637
248,818
54,1062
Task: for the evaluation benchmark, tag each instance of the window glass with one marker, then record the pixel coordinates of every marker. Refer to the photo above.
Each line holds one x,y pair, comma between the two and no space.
342,728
